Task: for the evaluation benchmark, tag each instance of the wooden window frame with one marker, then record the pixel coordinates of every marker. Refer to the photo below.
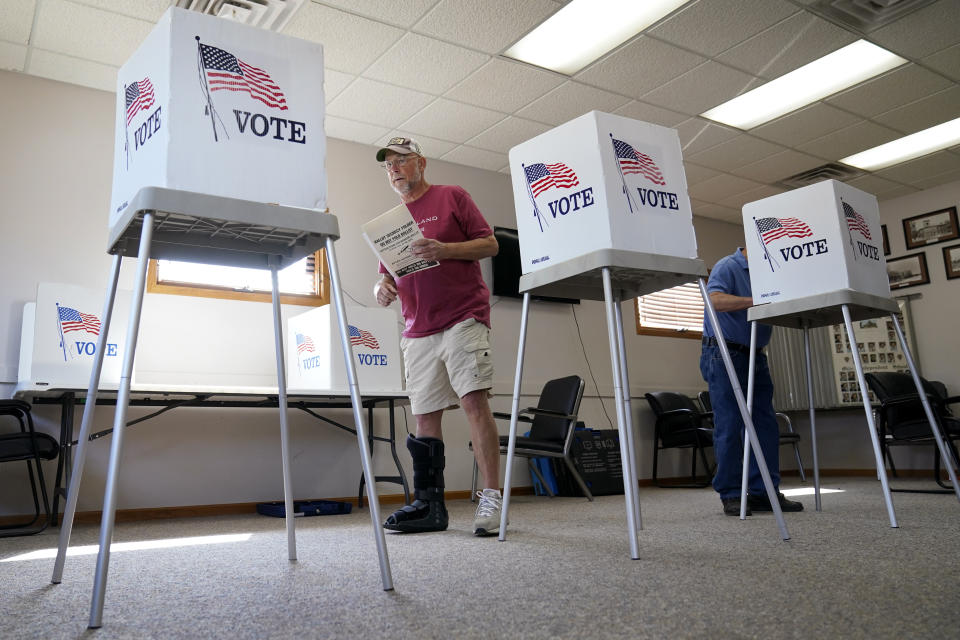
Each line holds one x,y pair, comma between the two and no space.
663,332
321,276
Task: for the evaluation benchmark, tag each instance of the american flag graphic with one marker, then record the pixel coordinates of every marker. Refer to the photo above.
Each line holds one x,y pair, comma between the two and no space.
226,72
542,176
73,320
855,221
361,337
139,96
632,161
304,343
771,229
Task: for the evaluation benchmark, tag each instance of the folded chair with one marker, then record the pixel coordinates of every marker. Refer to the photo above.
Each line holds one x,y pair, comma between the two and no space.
26,445
552,423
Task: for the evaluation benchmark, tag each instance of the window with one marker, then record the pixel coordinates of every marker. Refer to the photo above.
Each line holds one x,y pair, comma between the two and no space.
675,312
305,282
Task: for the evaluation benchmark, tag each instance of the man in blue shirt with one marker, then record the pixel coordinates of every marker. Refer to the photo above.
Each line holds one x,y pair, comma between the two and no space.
731,296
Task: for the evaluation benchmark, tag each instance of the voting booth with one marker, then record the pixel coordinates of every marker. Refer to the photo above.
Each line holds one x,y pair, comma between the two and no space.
817,239
314,353
211,106
601,181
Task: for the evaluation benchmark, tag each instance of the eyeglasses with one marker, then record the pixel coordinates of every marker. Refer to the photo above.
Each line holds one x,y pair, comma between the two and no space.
398,162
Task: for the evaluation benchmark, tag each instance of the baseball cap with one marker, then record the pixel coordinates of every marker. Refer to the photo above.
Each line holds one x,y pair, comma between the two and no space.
399,145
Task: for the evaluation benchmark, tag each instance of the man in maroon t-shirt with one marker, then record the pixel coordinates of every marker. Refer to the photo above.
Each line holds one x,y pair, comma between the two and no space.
446,340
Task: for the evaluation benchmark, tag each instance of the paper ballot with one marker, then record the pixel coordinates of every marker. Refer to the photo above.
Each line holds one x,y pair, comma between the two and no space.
390,236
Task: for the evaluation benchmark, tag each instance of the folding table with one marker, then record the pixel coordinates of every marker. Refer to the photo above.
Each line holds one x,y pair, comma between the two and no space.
180,225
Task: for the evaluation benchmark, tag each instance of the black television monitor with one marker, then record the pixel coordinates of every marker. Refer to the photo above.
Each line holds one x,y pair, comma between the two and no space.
507,271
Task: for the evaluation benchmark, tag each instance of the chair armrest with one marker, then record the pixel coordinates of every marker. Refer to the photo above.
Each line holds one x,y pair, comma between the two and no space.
550,414
508,416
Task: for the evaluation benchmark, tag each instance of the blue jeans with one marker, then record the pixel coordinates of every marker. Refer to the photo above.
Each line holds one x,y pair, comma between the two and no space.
728,432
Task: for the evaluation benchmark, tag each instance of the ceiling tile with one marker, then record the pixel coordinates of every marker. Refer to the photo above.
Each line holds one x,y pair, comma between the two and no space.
143,9
695,173
507,134
404,62
350,43
431,147
874,185
896,88
16,18
490,26
928,166
937,22
737,201
334,82
503,85
731,22
84,32
660,62
55,66
715,211
12,56
922,114
650,113
354,131
697,134
474,157
778,166
786,46
701,88
364,101
452,121
849,140
735,152
569,100
403,14
946,62
721,186
936,181
902,190
805,124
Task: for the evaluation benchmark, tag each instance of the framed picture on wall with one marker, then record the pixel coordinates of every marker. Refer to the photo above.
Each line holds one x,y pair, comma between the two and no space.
886,240
931,228
908,271
951,261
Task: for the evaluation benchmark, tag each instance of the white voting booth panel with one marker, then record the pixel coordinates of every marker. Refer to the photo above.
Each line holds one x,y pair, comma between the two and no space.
59,338
315,355
814,240
211,106
600,181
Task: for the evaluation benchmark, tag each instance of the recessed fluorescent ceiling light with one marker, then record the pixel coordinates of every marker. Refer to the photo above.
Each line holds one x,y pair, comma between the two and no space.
834,72
584,30
907,148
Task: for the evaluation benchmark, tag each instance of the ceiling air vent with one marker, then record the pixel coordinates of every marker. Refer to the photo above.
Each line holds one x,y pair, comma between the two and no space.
832,171
866,15
272,15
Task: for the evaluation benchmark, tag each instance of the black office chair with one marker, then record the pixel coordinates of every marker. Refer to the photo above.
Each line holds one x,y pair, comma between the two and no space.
901,419
552,423
680,425
787,433
31,447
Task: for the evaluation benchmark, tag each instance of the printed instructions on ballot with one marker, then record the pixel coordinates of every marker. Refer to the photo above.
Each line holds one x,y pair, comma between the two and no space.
390,236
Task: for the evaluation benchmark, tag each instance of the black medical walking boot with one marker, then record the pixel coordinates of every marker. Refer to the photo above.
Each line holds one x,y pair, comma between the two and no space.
427,513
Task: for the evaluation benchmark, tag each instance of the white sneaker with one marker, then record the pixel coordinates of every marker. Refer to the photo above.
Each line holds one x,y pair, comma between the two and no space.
486,522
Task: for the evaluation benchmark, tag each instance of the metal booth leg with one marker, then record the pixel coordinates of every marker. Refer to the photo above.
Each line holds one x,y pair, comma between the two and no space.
90,404
626,455
747,420
871,426
948,461
119,425
288,507
514,412
372,498
627,409
813,422
745,471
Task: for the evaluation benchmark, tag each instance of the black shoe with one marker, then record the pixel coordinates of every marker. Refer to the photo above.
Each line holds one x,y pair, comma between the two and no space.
731,506
761,503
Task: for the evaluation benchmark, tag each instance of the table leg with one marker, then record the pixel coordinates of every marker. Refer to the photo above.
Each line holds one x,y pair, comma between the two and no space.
288,506
64,465
514,412
948,461
374,501
119,425
741,402
90,404
629,482
871,426
813,422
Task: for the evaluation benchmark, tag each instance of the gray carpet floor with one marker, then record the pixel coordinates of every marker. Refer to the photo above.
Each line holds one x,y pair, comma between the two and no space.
563,572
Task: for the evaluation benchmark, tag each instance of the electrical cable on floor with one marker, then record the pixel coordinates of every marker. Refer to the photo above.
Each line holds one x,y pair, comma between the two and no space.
603,406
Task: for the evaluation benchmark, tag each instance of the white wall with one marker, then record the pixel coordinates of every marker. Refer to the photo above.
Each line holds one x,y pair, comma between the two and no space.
55,175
